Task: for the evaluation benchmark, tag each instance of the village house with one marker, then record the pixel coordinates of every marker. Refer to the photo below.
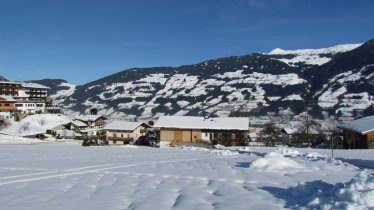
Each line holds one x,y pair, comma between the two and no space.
89,125
229,131
359,134
123,132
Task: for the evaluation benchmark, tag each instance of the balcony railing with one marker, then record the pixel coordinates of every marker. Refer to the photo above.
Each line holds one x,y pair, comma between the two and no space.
126,140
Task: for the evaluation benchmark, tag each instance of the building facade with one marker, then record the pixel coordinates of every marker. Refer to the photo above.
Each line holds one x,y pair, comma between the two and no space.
359,134
122,132
30,98
7,108
229,131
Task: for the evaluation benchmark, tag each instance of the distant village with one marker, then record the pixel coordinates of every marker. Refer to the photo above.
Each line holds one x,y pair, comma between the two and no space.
27,111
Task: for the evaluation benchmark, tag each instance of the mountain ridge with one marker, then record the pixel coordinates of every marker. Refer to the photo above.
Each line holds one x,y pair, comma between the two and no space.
257,83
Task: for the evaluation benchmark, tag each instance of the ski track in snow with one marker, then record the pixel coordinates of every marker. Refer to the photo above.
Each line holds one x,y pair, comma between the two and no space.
85,170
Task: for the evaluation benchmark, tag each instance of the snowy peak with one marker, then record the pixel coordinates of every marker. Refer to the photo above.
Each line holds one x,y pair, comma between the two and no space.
329,50
311,56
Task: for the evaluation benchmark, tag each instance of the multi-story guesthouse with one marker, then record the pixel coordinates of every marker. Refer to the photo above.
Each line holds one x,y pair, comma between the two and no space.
229,131
30,98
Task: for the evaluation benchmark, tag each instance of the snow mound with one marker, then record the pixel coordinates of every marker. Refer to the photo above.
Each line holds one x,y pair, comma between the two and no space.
224,152
274,162
288,152
356,194
315,156
36,124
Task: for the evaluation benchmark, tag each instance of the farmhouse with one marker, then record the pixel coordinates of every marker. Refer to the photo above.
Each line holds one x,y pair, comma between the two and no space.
87,125
122,132
359,134
228,131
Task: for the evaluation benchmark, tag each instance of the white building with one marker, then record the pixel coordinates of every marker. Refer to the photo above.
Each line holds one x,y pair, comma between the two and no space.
31,98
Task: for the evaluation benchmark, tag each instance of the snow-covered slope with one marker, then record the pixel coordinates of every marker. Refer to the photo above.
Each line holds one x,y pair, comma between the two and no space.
348,91
257,84
312,56
35,124
63,91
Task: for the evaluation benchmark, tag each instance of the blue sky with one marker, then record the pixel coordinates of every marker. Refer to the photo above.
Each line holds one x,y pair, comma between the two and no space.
84,40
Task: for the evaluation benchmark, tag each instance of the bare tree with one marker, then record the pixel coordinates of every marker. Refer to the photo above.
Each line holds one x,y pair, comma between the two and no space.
271,132
350,136
24,127
307,123
5,123
41,121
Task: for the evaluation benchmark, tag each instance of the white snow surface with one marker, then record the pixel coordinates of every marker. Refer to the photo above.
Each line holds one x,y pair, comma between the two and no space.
68,176
193,122
35,124
312,56
275,162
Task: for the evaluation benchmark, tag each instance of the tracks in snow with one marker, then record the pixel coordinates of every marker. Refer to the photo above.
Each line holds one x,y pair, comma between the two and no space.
85,170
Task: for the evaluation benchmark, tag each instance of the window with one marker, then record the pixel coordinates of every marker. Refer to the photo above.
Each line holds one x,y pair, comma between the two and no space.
233,136
114,135
220,135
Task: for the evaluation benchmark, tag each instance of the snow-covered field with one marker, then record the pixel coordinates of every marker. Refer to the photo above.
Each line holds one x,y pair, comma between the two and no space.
68,176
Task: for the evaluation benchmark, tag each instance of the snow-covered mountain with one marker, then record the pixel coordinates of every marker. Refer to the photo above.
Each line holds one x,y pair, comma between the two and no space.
312,56
338,80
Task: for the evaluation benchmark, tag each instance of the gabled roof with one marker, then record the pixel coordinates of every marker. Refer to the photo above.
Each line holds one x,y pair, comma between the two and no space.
190,122
122,125
89,117
7,98
78,123
362,125
290,130
9,82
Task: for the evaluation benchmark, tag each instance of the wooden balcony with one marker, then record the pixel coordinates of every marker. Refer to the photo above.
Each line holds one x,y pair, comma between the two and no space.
119,139
8,108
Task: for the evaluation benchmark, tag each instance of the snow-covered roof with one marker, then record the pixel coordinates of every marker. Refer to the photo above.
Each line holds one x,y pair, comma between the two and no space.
290,130
7,98
8,82
34,85
122,125
88,117
190,122
362,125
78,123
